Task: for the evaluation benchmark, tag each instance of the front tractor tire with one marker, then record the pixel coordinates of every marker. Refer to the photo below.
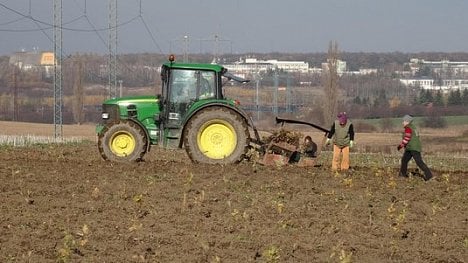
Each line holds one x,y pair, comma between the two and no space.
123,141
216,135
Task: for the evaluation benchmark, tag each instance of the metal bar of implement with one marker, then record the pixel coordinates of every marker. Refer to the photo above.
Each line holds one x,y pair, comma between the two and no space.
281,120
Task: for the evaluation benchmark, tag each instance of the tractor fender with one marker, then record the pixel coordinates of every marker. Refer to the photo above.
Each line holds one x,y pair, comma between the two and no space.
147,137
239,111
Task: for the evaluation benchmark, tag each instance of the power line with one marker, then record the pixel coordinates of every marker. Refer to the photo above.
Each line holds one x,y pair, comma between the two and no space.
148,30
43,31
85,14
39,27
12,21
37,22
94,29
151,35
50,26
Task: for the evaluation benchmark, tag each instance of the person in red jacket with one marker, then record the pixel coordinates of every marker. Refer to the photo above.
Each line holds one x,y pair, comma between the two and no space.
412,145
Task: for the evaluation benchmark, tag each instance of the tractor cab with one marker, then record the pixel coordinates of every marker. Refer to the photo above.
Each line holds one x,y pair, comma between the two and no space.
186,88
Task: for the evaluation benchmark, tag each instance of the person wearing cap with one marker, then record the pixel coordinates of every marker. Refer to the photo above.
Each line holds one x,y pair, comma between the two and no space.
412,145
342,132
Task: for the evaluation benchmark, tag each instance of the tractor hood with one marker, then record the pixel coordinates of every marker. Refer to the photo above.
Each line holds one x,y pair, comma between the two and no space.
125,101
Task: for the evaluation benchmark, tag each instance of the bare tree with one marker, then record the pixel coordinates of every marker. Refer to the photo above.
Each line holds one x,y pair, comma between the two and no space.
78,93
330,84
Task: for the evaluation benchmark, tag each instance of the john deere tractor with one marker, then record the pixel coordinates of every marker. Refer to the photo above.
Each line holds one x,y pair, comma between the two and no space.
191,112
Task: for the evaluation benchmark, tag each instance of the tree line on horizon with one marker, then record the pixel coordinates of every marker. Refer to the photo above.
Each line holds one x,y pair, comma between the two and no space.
366,96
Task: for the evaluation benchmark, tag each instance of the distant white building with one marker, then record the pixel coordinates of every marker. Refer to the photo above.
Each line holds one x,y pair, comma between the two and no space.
34,60
439,66
454,69
341,66
252,65
364,71
430,84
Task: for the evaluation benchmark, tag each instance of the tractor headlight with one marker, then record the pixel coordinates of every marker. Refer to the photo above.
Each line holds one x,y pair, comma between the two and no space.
105,115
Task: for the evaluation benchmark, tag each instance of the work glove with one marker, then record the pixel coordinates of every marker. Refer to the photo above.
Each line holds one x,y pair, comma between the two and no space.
399,147
351,144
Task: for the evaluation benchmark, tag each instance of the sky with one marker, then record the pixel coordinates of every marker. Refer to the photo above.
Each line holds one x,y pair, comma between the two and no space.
240,26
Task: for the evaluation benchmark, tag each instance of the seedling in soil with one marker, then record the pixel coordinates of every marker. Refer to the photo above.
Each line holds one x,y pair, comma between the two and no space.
271,254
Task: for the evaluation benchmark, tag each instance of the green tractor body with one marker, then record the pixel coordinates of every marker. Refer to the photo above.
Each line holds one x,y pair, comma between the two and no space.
191,112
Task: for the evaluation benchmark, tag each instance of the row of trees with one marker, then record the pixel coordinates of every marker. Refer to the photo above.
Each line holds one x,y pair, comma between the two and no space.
454,97
367,96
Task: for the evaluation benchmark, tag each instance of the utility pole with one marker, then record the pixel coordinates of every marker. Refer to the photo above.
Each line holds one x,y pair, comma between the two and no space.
15,93
275,93
216,46
120,88
186,47
257,84
288,94
58,95
112,60
182,44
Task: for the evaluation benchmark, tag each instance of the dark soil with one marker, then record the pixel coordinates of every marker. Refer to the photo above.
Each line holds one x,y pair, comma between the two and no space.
65,204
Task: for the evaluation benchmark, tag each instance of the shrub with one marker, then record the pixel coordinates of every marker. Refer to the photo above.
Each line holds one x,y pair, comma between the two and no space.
386,124
465,133
364,127
434,122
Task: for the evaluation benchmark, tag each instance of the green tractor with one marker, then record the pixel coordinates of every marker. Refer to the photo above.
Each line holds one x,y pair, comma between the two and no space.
191,112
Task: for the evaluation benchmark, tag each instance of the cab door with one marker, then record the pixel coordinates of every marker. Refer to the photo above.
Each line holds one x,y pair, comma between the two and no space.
184,87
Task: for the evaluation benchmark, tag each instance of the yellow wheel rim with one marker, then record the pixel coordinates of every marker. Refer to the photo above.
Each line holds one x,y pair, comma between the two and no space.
217,139
122,143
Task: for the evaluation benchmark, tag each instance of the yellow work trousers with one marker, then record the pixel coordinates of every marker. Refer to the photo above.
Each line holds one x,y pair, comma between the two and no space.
344,154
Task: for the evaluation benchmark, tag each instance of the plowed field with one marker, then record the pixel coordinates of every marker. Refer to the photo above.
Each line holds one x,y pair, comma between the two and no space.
62,203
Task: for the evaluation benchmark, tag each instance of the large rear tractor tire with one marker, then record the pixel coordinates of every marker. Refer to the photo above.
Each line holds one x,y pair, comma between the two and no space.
124,141
216,135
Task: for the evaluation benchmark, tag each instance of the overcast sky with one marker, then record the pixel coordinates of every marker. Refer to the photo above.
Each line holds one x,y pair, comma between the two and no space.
243,26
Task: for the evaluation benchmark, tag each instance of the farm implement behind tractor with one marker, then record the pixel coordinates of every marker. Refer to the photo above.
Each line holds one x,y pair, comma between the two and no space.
191,113
284,148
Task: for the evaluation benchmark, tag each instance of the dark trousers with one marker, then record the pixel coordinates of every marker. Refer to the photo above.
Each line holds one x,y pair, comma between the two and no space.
418,159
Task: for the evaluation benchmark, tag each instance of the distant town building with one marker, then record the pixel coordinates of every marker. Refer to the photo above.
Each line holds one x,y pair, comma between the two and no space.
363,71
252,65
450,75
33,60
439,66
341,66
431,84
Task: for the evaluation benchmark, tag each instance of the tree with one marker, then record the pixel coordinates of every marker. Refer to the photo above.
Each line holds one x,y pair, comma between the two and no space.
330,84
357,100
454,98
424,71
465,97
425,96
439,99
394,102
78,93
381,99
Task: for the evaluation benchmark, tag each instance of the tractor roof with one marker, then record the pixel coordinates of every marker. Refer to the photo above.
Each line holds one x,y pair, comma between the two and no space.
200,66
